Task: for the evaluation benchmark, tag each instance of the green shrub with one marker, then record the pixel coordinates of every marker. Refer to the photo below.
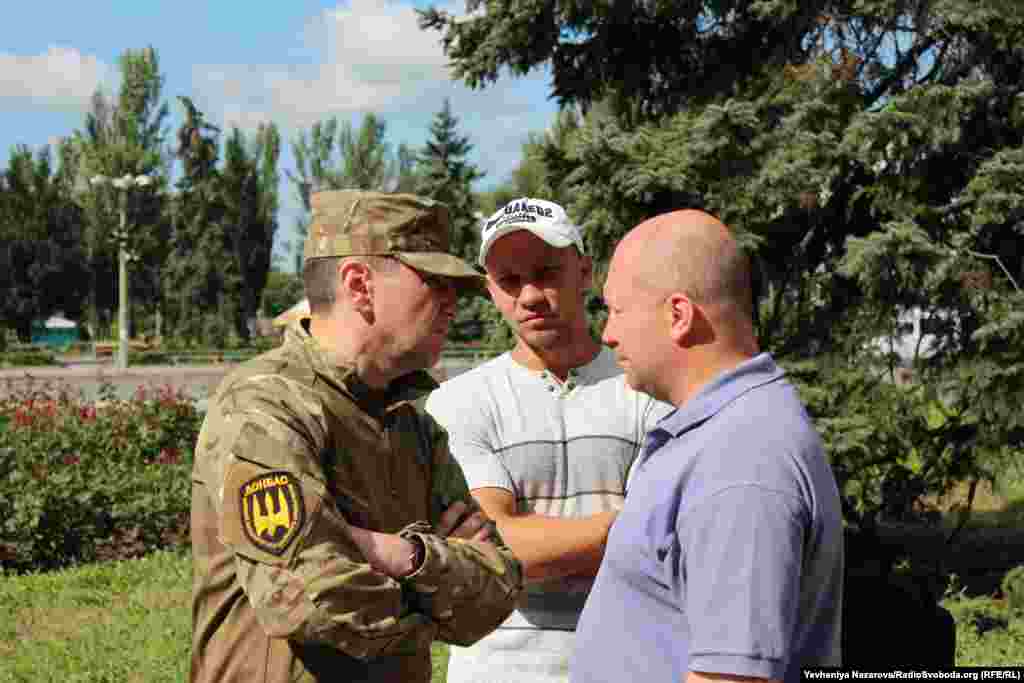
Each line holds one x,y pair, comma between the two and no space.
1013,588
151,358
261,344
81,482
18,359
895,450
215,329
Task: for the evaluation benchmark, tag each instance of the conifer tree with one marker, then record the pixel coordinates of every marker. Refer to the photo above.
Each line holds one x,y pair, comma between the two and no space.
868,154
447,175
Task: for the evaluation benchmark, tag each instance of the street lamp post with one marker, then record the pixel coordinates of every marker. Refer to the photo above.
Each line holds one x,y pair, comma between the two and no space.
125,182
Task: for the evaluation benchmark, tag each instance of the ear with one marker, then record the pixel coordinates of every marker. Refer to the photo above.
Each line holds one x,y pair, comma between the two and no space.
492,287
681,313
355,284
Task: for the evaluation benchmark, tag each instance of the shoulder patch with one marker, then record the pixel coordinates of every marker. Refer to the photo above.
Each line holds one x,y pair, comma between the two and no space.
273,511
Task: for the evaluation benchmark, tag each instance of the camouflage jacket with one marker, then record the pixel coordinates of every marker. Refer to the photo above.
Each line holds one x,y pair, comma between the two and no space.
292,450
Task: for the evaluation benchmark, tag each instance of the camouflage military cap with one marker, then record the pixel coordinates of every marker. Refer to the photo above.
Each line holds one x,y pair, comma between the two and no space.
413,229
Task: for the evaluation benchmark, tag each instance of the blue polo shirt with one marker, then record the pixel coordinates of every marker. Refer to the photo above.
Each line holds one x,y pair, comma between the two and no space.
727,556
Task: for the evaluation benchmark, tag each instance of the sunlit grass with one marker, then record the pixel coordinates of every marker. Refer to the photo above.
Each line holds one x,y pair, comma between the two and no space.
129,622
123,622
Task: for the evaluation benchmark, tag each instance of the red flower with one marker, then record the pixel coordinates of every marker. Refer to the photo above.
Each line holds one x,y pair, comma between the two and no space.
87,413
168,456
71,460
167,396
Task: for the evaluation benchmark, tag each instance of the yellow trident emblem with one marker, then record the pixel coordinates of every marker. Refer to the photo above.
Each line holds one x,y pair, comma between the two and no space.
271,520
273,511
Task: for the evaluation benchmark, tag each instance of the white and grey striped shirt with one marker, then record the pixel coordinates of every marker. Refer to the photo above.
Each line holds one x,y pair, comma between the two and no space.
564,450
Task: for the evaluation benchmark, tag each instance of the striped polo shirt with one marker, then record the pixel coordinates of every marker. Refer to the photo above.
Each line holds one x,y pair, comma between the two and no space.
563,449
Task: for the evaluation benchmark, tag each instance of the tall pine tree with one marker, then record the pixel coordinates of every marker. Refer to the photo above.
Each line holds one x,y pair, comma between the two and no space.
446,174
249,189
197,276
869,154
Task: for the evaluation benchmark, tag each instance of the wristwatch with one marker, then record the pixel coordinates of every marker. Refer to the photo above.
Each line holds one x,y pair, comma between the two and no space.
419,552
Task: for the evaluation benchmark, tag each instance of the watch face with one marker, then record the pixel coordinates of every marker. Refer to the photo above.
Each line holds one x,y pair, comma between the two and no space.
418,554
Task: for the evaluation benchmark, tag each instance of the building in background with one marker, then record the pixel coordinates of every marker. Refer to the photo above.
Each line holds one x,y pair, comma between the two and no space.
56,331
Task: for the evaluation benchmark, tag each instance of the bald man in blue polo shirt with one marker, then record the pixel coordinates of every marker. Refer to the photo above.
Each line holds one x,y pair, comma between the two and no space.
726,562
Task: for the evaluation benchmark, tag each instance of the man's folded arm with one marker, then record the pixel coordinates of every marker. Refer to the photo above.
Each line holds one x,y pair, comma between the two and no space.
469,587
303,574
548,547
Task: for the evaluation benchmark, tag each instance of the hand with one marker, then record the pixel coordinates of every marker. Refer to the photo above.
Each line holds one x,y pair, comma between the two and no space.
476,527
387,553
608,517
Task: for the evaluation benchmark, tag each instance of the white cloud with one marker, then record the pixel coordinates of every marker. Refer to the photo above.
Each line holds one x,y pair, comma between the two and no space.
61,78
371,54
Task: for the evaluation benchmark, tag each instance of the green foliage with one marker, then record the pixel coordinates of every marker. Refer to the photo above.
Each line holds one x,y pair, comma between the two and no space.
80,482
249,184
869,159
988,632
124,134
471,320
885,445
227,210
446,174
283,291
41,258
1013,589
653,57
365,162
22,359
150,358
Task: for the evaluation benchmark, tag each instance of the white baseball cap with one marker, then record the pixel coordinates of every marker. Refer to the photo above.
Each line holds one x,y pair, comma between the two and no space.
544,219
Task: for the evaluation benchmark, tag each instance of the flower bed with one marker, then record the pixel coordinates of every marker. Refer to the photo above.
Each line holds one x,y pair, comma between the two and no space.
90,481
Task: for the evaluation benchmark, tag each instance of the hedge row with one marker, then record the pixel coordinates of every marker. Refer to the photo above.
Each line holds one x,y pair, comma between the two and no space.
81,482
21,359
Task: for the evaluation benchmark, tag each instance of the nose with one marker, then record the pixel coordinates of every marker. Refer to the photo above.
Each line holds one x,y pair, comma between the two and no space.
530,295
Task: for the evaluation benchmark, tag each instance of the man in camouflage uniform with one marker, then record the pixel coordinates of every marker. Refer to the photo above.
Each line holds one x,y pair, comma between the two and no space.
333,535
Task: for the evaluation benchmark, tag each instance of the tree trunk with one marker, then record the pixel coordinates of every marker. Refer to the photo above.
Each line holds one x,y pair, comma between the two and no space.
23,327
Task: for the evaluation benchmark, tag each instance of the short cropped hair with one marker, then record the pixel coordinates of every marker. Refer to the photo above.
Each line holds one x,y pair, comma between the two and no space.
320,278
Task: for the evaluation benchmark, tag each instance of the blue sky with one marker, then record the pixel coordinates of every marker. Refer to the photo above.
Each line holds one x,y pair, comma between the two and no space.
292,63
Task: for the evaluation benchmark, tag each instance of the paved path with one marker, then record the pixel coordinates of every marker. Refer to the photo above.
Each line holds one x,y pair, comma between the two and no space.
197,381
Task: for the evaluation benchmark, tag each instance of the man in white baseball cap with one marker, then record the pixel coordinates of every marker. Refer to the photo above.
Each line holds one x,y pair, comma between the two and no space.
544,219
545,434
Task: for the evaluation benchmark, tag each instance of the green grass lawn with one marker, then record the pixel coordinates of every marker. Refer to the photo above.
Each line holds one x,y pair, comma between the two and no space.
121,622
128,622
